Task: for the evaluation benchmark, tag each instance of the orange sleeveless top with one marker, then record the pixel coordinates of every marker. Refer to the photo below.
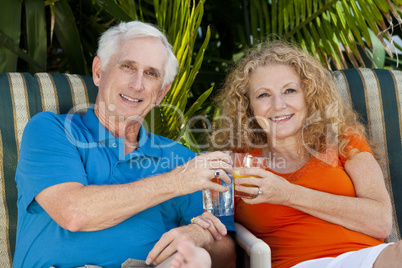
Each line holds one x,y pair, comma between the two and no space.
295,236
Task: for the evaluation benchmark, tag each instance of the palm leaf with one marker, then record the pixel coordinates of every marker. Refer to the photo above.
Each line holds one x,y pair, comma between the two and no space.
10,25
8,44
378,53
181,20
323,27
117,11
68,36
36,33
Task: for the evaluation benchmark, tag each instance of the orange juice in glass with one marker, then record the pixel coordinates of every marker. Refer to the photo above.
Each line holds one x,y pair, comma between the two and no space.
243,161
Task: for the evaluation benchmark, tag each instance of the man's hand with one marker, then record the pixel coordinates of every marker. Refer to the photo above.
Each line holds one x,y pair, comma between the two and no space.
196,174
211,223
167,245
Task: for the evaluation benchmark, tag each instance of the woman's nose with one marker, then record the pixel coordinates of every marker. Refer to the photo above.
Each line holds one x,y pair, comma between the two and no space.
279,102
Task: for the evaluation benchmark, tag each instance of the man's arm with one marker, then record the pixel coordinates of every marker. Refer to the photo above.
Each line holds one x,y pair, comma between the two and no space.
222,252
76,207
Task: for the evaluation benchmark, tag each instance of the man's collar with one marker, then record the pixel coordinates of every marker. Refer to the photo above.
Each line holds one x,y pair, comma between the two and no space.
146,142
98,131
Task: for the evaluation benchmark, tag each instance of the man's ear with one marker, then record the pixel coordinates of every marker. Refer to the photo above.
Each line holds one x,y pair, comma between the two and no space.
162,93
96,70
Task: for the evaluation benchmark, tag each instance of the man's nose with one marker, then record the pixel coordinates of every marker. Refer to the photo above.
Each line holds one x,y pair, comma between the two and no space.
137,81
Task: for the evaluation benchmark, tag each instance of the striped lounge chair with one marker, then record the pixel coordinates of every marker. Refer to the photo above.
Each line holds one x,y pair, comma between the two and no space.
375,93
23,95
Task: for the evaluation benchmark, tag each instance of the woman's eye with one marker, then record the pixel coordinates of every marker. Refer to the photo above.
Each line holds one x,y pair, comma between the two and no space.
289,90
263,95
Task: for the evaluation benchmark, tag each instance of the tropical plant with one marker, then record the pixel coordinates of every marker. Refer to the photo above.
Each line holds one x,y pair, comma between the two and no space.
73,28
61,35
323,26
341,33
182,21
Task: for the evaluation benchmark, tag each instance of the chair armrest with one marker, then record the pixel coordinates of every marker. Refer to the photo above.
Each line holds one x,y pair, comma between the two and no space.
258,250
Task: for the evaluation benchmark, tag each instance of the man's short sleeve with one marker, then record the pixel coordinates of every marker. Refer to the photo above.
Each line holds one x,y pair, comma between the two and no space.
47,157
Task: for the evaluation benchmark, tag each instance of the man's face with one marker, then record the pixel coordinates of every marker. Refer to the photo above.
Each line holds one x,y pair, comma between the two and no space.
130,84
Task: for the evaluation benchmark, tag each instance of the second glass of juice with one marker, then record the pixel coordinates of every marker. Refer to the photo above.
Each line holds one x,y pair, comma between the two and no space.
242,161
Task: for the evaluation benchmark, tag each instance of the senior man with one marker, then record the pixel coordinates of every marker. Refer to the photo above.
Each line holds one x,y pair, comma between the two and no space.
98,188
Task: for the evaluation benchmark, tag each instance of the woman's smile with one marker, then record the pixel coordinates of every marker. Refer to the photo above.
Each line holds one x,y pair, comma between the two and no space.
279,119
277,101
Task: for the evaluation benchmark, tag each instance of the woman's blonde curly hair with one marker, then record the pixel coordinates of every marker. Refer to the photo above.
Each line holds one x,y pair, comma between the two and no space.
329,120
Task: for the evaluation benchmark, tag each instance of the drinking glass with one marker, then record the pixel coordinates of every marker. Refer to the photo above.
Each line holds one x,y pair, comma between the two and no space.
218,203
242,161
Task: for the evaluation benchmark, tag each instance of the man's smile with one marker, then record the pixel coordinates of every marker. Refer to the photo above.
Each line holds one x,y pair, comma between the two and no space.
129,98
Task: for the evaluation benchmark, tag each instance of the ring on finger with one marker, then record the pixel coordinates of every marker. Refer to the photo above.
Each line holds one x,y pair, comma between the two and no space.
216,173
259,193
192,220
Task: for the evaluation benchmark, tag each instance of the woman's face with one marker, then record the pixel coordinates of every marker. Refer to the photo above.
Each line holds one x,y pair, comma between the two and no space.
278,102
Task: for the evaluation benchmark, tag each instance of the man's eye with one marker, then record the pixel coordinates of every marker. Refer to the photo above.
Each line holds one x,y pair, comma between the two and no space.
153,74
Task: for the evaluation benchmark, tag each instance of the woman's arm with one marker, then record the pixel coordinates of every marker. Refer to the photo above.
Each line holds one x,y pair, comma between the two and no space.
369,212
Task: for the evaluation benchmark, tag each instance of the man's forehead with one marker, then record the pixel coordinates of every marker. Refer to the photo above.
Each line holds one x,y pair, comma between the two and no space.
140,50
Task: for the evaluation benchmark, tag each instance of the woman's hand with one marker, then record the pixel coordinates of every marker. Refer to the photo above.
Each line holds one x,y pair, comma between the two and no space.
269,187
211,223
369,212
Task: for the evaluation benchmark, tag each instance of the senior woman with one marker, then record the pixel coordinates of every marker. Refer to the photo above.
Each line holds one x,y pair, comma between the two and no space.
321,201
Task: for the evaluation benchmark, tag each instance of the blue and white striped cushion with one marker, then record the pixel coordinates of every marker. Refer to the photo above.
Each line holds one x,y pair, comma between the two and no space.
22,96
376,95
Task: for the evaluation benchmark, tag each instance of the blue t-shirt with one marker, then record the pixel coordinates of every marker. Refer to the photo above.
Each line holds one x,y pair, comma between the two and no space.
75,148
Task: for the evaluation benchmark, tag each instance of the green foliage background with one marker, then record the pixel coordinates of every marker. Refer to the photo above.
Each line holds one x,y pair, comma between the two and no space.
208,36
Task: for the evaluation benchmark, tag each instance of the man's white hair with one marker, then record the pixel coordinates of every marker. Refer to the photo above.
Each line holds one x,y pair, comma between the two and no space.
111,40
